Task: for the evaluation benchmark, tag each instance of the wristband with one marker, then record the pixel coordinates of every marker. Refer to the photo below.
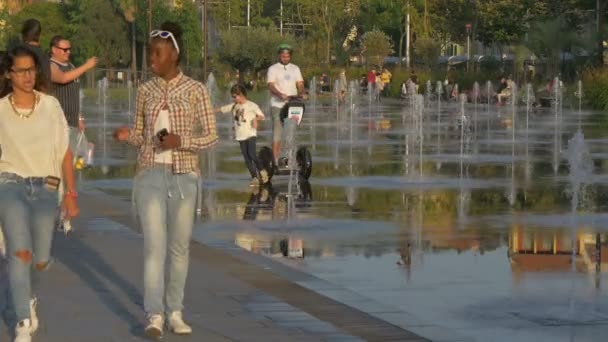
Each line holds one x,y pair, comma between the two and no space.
72,194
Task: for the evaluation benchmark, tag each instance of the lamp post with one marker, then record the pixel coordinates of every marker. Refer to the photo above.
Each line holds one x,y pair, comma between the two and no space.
468,27
204,27
408,42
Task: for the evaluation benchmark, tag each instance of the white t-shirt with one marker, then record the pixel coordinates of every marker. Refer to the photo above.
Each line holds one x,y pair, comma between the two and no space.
162,121
284,78
33,147
243,116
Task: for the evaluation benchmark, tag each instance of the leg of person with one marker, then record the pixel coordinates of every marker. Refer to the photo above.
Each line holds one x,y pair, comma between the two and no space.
244,144
277,131
15,221
255,162
45,205
180,222
151,196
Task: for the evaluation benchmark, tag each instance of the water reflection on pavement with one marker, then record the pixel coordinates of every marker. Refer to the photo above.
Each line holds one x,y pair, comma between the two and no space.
472,231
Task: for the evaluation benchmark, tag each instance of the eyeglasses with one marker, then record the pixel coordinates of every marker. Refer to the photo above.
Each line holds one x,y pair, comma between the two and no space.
66,50
23,72
164,35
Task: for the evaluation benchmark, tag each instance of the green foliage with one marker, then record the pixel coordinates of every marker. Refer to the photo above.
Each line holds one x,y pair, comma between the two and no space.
51,16
376,46
502,21
251,49
595,82
428,50
98,29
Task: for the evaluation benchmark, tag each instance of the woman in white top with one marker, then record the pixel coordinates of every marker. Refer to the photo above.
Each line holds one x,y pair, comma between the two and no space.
246,115
35,173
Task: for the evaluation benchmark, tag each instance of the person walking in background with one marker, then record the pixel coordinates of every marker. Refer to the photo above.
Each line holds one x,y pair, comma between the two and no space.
371,81
65,85
35,173
386,78
174,121
30,35
246,115
284,81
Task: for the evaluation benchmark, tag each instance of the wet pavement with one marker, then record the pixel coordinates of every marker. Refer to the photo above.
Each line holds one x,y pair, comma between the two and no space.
451,226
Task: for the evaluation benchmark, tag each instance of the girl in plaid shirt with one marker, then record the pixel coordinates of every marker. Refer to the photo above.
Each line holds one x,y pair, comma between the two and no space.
174,121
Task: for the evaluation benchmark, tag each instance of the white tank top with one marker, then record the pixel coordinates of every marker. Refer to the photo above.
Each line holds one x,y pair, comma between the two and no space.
162,121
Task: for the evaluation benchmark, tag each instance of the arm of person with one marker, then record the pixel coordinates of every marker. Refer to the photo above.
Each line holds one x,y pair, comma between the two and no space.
136,134
62,142
226,109
272,87
204,115
300,84
276,92
70,205
61,77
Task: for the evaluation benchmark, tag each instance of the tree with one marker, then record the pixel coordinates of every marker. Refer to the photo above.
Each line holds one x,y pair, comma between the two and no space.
99,30
502,21
551,39
325,15
428,49
376,46
51,16
252,49
129,9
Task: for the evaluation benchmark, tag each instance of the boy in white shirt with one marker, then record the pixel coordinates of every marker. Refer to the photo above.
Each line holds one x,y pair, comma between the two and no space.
246,115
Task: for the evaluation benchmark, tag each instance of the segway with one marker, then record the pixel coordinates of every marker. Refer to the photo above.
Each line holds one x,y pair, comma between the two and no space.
293,158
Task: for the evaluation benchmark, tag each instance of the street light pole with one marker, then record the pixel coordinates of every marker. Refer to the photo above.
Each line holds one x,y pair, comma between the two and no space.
204,24
468,27
281,18
407,36
248,11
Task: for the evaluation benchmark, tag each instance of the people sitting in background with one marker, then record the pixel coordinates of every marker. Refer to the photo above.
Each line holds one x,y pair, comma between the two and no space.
325,86
504,90
363,82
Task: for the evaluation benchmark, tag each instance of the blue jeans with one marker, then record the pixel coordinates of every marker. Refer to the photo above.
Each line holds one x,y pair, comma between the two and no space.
165,204
27,215
249,155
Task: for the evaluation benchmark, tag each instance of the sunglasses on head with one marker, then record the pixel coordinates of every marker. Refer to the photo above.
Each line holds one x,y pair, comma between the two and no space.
164,35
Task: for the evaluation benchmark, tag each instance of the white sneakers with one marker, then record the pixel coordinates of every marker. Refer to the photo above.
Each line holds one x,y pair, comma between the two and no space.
23,331
33,315
264,176
27,327
154,329
176,324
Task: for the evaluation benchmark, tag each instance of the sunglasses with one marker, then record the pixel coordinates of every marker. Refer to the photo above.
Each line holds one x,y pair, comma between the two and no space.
66,50
164,35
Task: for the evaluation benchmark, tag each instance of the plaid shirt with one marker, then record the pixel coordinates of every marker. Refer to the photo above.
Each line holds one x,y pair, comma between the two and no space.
191,117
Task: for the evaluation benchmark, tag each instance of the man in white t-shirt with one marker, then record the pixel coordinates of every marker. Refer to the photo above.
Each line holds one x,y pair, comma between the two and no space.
284,80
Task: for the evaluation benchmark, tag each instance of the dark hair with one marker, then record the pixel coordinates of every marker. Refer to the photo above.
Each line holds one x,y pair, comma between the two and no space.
55,40
176,30
7,62
30,31
238,89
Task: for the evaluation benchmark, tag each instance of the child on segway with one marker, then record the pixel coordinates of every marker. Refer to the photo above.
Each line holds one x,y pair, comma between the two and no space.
246,115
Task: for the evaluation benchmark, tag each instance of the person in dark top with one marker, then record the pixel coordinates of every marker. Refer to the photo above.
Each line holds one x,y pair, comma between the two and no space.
64,79
30,34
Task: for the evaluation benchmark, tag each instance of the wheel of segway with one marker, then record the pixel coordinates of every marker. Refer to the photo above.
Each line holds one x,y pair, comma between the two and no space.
266,161
304,160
